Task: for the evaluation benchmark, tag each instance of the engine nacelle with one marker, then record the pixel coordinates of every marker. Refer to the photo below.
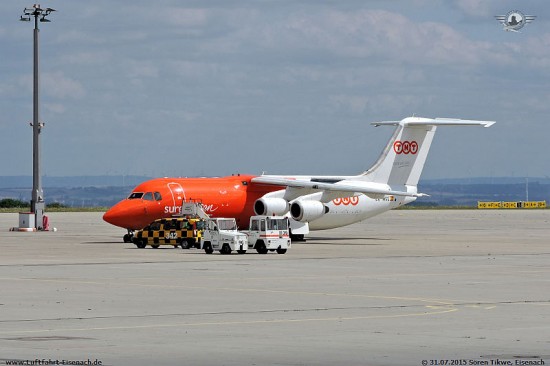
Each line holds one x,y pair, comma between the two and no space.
271,206
306,211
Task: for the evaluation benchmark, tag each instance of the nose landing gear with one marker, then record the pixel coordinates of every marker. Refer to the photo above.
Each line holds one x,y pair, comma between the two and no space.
128,237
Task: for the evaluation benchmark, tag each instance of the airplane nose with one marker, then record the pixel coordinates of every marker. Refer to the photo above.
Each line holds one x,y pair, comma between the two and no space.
124,214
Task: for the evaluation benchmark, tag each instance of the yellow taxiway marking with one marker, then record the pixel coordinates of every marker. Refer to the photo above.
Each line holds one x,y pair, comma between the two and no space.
237,322
236,289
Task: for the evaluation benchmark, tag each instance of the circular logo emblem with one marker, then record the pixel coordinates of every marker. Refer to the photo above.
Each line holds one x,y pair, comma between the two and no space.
398,147
414,147
406,147
515,20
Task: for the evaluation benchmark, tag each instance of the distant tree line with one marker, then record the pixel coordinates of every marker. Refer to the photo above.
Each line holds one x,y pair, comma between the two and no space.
13,203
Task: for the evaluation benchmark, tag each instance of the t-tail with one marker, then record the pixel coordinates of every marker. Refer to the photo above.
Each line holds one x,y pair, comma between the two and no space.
403,158
325,202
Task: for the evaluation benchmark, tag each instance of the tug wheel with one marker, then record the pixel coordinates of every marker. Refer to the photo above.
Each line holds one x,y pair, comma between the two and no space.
140,244
260,247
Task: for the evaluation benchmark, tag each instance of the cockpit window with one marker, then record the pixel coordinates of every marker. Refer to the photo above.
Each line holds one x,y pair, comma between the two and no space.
158,197
135,195
148,196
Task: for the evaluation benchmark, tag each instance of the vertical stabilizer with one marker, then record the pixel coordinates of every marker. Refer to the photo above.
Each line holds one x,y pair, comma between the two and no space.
403,158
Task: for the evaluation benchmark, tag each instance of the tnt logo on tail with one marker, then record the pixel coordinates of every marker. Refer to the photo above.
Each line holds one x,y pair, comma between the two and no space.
405,147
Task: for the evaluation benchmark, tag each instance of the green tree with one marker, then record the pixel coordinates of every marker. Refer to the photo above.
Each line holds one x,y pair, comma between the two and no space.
11,203
55,205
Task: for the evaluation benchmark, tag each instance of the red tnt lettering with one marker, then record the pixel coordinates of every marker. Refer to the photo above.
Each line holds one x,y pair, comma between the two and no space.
405,147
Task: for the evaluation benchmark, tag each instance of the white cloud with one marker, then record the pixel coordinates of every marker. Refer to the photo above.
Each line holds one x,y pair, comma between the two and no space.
55,84
55,108
142,69
186,17
88,58
384,34
78,37
474,8
5,89
356,103
537,49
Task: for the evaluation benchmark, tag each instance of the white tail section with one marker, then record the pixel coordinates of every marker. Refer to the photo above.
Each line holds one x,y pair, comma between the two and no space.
402,160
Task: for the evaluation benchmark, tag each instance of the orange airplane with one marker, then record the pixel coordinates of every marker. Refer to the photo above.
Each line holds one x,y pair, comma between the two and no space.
310,202
232,196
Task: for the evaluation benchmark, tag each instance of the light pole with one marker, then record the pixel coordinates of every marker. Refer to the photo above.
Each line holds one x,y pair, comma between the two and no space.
37,201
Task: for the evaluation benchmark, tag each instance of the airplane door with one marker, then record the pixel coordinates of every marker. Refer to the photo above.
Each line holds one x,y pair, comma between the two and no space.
177,195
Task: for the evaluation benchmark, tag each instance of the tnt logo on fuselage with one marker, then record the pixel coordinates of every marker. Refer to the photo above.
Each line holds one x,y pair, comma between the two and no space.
405,147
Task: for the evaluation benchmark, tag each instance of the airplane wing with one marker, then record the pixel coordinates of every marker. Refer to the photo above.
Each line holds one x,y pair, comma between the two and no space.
340,186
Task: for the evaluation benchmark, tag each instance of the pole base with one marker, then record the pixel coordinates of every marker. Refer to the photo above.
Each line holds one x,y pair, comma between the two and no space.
23,229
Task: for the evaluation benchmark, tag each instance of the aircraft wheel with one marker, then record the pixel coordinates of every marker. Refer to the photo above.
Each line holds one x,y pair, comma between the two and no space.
208,248
297,237
281,251
241,251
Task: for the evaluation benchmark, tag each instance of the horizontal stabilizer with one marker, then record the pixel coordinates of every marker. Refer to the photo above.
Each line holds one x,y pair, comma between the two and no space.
416,121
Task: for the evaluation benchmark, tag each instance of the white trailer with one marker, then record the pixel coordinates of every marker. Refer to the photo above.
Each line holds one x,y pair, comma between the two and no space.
269,233
221,234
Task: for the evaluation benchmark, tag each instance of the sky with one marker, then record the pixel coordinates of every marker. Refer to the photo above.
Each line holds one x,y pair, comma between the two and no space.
216,87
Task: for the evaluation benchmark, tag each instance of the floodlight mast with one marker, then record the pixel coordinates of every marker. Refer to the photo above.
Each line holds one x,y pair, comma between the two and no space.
37,202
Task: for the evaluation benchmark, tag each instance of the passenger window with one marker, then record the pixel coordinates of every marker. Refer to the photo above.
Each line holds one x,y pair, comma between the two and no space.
254,226
148,196
154,226
158,197
167,225
262,225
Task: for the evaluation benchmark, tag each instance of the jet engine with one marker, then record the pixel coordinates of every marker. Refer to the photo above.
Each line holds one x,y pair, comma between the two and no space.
306,211
270,206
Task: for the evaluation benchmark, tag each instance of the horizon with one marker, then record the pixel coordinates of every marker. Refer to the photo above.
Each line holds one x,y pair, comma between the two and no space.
446,192
25,181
